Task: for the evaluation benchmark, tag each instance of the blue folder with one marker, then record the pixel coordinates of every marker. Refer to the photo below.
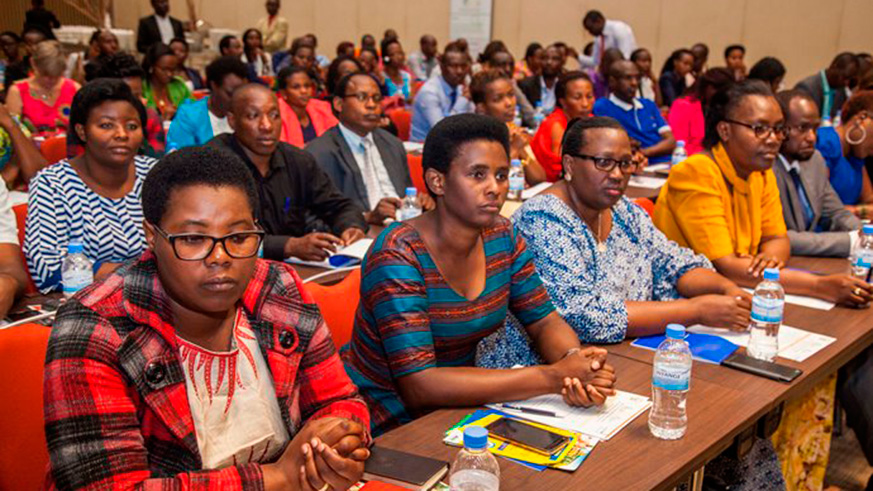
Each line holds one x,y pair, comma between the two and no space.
704,347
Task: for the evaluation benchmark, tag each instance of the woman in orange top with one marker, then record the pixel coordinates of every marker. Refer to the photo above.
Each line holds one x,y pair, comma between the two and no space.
724,202
574,94
304,117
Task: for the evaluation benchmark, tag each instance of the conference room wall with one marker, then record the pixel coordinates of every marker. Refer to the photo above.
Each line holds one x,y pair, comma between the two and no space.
804,34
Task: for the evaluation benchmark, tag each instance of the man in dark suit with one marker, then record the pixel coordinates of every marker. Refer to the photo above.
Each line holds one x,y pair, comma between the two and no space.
366,163
541,88
828,87
818,223
158,28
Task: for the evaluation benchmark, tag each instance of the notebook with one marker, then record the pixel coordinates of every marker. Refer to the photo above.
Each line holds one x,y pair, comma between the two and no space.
704,347
404,469
342,258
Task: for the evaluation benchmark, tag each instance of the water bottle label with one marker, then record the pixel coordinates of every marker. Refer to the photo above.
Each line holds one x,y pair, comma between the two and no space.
73,281
864,259
516,183
767,309
672,377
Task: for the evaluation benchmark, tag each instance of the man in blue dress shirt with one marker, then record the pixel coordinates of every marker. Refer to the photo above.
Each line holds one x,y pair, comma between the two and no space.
442,95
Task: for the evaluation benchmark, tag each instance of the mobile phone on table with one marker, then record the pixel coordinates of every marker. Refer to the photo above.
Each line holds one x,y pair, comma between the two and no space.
763,368
527,436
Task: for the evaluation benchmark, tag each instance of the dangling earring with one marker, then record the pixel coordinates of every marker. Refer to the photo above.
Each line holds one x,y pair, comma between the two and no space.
860,140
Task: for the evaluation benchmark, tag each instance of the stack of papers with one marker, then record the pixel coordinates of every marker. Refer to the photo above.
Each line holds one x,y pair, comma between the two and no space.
535,190
600,422
813,303
646,182
342,258
794,344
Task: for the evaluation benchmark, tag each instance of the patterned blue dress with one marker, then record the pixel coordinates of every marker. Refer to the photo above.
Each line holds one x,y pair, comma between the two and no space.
61,208
588,287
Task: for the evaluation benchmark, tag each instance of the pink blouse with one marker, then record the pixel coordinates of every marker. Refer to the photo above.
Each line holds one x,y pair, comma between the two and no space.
686,121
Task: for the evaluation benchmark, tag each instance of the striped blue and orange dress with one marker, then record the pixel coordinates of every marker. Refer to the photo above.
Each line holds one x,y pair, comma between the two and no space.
409,319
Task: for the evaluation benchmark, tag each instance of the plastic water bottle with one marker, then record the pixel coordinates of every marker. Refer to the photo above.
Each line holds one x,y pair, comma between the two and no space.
671,380
516,181
539,115
862,257
679,154
516,120
410,208
768,304
475,469
77,271
826,120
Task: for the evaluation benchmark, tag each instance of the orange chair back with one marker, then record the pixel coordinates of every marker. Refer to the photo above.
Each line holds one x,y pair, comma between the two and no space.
200,94
402,119
338,304
54,149
646,204
416,171
20,218
23,454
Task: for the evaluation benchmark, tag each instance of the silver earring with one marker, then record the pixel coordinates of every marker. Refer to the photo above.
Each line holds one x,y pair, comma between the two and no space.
568,177
859,141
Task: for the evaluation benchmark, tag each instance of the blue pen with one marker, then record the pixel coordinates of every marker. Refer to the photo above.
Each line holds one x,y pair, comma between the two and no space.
287,204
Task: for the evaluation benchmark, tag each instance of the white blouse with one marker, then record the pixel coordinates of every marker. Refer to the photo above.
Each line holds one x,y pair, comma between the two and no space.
233,402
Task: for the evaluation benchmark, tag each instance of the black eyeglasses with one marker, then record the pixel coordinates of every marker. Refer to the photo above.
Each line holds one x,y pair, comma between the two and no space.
195,247
802,129
606,164
362,97
763,131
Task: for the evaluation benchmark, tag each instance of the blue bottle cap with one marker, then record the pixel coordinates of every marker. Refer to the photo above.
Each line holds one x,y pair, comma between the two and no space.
75,248
475,437
516,163
680,143
675,331
867,229
771,274
411,191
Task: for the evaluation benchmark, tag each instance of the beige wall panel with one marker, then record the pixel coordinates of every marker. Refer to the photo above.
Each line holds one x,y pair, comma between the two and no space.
334,21
856,26
686,22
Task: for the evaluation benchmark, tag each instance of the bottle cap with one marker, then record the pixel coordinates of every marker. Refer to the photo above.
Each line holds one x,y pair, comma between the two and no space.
475,438
411,191
516,162
771,274
75,248
675,331
680,143
867,229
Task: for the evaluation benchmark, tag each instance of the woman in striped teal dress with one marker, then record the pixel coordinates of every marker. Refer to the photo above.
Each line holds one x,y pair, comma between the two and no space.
435,285
93,199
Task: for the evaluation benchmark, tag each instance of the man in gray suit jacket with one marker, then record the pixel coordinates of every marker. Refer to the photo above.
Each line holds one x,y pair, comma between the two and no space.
365,162
818,223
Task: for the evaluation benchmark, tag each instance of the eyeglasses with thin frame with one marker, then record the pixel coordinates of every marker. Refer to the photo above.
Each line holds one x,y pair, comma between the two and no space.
363,98
802,129
606,164
195,247
763,131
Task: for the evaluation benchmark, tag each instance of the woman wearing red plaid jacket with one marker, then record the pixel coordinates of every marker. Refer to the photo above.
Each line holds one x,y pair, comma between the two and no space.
198,365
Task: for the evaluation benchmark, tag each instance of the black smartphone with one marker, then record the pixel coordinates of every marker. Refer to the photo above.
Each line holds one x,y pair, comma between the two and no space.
763,368
527,436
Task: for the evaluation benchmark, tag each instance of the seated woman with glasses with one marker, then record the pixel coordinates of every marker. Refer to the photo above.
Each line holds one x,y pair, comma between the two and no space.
304,118
93,199
609,271
199,365
435,285
724,202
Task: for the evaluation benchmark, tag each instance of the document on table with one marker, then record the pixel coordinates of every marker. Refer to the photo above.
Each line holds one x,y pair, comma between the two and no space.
535,190
602,422
794,344
412,147
647,182
346,256
813,303
664,166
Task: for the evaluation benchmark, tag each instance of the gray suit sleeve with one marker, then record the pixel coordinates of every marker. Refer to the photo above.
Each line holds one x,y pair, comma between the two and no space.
829,244
832,209
527,110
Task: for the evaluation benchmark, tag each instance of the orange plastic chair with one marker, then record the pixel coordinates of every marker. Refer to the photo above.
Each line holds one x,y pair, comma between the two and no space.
23,454
402,119
646,204
200,94
416,171
54,149
20,217
338,304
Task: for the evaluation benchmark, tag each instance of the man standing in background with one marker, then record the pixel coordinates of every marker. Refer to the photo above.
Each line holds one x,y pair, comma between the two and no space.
422,63
274,28
607,34
158,28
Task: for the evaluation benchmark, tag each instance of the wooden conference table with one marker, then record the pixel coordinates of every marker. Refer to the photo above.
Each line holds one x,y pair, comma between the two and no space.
722,404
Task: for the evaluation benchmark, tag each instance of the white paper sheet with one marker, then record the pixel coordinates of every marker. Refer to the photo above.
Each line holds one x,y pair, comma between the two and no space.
657,167
813,303
794,344
413,146
647,182
535,190
356,250
600,422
